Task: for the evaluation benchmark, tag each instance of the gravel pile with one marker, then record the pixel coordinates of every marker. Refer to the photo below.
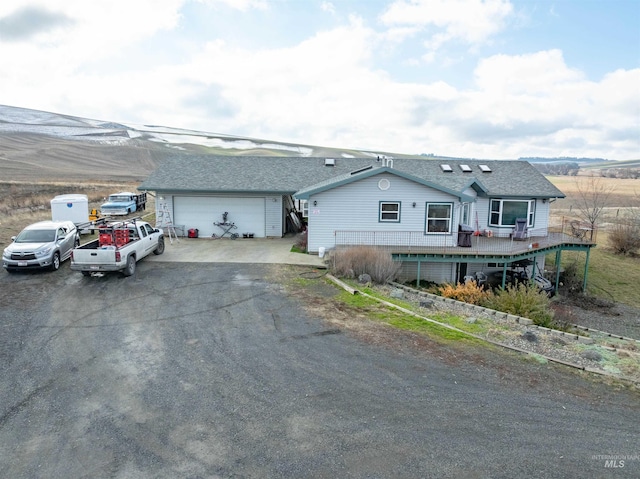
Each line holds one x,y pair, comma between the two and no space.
606,354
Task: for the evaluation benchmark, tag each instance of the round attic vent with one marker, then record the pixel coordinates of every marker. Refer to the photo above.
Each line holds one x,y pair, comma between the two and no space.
384,184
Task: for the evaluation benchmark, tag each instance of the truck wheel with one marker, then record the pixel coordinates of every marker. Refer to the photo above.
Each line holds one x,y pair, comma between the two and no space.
160,248
131,266
55,262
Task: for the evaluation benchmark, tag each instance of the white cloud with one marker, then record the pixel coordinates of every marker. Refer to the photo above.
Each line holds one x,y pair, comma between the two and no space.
328,7
469,21
242,5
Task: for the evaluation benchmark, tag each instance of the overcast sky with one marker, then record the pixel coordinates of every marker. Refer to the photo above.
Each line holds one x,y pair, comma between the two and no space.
471,78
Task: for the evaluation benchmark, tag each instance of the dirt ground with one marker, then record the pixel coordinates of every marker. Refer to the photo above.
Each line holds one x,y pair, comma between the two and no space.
596,313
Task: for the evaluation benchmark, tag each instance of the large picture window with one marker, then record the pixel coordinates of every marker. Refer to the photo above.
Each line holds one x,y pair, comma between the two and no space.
439,217
505,212
389,212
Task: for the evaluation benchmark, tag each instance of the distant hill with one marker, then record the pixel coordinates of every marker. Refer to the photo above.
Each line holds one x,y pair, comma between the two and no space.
37,145
566,159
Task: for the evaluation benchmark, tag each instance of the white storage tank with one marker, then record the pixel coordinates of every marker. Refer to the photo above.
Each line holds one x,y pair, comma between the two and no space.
71,207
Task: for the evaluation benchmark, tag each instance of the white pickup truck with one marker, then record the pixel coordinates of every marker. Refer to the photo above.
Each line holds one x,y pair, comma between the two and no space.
119,246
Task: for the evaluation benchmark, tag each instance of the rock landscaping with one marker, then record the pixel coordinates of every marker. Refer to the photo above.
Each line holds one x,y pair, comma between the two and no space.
584,348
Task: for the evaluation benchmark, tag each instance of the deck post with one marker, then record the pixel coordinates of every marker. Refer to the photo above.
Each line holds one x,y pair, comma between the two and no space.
418,278
558,260
586,269
533,267
504,274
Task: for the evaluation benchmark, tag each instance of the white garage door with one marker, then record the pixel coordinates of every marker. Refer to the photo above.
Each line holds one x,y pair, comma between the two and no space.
201,212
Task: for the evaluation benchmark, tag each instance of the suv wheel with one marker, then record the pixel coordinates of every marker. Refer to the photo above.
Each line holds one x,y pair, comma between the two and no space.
55,262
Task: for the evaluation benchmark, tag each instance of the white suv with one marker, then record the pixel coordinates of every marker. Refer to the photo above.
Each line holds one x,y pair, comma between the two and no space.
41,245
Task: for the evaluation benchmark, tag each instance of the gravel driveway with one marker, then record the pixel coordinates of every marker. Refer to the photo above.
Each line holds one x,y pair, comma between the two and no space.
222,370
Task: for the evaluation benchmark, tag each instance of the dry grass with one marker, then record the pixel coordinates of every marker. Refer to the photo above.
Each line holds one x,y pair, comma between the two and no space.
623,201
355,261
624,193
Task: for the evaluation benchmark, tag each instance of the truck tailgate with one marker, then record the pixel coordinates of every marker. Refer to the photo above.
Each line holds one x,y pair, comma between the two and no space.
100,256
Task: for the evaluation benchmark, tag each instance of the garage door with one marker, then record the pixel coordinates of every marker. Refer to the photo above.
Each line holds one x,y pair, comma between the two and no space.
202,211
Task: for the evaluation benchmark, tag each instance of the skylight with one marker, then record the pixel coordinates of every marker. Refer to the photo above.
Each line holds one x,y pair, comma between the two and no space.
446,168
485,168
465,168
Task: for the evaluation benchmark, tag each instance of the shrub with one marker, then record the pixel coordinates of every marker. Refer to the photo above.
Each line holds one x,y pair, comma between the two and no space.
523,300
352,262
624,239
301,241
469,292
571,279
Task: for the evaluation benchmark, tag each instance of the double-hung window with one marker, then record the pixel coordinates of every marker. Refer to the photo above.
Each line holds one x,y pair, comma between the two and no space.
389,212
439,217
505,212
304,206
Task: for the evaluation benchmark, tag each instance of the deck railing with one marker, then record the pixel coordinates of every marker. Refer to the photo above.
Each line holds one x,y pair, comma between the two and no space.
460,243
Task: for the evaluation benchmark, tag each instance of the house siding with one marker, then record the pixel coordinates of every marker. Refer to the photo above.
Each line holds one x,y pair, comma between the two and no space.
434,272
163,202
274,217
355,207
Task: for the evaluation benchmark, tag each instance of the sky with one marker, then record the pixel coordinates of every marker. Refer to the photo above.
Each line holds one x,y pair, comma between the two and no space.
490,79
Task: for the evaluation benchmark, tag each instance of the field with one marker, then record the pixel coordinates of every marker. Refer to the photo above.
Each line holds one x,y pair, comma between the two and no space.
610,276
625,194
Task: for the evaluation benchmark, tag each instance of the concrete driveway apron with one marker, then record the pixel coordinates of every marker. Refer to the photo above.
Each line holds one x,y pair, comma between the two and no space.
241,250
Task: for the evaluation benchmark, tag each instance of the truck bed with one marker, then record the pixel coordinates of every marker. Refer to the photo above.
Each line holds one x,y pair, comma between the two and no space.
118,247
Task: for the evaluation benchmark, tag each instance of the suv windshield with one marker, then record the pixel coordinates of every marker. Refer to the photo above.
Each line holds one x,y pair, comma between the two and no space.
36,236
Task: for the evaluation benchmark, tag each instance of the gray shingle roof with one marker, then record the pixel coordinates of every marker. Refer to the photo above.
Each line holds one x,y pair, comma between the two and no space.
287,175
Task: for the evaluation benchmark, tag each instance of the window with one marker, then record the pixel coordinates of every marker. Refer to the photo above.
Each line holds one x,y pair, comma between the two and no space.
304,206
465,214
505,212
389,211
439,217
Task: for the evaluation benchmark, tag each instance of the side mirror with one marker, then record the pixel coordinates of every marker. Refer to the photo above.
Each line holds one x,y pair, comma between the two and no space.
156,230
13,238
61,237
